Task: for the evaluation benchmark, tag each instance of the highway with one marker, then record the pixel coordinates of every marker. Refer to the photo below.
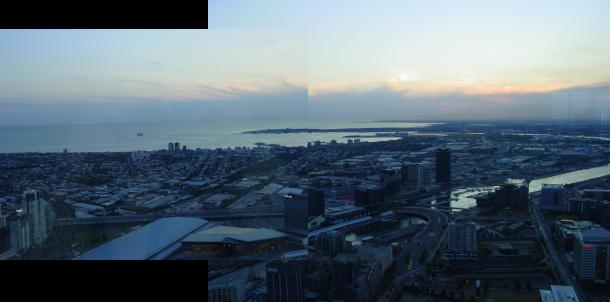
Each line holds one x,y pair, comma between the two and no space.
556,257
430,235
267,211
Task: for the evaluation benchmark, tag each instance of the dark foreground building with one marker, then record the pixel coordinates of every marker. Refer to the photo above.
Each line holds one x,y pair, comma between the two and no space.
285,281
443,166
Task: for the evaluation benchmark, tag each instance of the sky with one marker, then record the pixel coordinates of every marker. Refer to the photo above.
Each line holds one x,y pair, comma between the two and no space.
444,59
327,59
117,76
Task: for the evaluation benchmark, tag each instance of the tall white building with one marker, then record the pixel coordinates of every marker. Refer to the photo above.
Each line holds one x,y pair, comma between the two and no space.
592,254
461,241
20,233
39,214
552,198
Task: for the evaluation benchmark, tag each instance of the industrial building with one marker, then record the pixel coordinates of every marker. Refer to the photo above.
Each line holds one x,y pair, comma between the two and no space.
227,240
154,241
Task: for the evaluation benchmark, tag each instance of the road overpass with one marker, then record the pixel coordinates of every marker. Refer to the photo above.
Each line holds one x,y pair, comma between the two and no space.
262,212
430,236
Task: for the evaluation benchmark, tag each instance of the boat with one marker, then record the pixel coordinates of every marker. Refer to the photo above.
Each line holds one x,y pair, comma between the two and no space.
140,134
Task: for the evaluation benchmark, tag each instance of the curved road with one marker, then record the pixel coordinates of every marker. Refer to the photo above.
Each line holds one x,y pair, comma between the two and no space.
430,235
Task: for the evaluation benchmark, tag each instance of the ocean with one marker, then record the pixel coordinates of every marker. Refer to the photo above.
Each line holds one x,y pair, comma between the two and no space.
156,136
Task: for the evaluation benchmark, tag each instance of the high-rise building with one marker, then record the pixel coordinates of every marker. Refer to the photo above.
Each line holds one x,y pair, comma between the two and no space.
176,146
592,254
443,166
581,206
552,198
390,181
514,192
285,281
601,213
369,195
331,243
597,194
39,214
20,234
427,173
412,176
170,147
461,241
231,292
316,202
303,212
344,277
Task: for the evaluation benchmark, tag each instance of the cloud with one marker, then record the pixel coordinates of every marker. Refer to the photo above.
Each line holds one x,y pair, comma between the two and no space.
387,103
287,103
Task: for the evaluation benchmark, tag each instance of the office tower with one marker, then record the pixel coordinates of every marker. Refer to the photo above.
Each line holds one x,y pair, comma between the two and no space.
512,193
285,281
583,207
601,213
333,195
331,243
553,198
231,291
412,176
592,254
184,148
461,241
303,212
597,194
170,147
39,215
390,181
344,276
443,166
20,234
369,195
176,146
427,173
316,202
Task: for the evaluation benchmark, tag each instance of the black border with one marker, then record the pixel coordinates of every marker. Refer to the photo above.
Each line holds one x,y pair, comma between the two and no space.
107,14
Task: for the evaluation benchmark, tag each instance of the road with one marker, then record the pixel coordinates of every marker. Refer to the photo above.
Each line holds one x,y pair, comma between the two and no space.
430,235
267,211
557,258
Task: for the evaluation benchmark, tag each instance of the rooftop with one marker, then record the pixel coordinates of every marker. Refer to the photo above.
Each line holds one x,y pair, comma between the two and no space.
228,234
552,186
147,241
596,234
559,293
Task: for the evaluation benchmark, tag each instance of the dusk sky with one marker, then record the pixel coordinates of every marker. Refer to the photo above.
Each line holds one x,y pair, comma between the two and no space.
444,59
326,59
439,46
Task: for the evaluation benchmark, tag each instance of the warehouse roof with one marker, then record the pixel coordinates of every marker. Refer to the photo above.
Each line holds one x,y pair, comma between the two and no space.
147,241
228,234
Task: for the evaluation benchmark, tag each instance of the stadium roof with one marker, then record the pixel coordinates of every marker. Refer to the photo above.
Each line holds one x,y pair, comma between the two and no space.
235,235
146,242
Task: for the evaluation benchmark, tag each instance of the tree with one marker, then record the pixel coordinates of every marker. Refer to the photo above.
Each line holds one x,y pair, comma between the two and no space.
529,286
517,284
